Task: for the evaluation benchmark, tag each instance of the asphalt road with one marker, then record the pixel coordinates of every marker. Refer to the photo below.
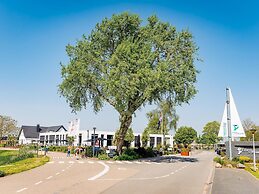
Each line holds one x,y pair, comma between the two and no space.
174,174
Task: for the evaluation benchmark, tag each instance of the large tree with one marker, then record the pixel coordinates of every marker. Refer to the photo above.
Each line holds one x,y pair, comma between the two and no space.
129,137
210,133
185,135
127,65
7,126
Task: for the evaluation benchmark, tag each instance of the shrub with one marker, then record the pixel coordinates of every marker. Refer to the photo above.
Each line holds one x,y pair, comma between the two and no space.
150,152
219,160
184,150
89,151
244,159
125,157
2,173
103,157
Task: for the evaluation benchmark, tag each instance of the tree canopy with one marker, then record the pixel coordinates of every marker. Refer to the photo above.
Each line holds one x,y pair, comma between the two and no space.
128,64
210,133
185,135
7,126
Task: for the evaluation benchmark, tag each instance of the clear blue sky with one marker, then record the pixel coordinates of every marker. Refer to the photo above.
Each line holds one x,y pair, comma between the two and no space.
33,36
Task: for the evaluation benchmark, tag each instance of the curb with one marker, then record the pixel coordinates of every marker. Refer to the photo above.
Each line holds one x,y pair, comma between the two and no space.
209,183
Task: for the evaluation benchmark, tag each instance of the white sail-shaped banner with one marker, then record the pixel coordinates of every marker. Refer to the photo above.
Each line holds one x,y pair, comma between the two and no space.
237,129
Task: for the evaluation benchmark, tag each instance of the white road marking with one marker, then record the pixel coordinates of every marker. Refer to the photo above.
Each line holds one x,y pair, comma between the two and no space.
61,162
106,169
81,162
38,183
21,190
128,162
71,162
90,162
51,162
63,170
49,177
110,162
156,163
138,162
172,172
57,173
147,162
122,168
119,162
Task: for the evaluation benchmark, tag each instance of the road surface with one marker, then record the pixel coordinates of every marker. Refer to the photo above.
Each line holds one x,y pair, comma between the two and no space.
62,175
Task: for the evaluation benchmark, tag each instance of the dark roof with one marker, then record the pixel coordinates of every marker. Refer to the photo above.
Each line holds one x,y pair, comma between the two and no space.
32,132
29,131
52,128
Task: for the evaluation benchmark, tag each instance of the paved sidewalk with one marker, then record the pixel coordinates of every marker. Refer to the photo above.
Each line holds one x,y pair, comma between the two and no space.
234,181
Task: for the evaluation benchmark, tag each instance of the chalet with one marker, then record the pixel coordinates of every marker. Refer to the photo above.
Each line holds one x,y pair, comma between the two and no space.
33,134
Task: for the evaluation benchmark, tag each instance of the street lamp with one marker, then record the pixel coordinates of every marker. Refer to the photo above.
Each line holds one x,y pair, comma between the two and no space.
253,130
94,141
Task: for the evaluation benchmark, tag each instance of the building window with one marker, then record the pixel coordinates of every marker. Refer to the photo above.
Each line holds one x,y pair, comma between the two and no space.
159,141
42,138
152,141
109,140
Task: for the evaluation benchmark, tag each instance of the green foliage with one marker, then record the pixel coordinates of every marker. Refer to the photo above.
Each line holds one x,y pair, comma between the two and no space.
132,154
70,140
125,157
184,150
6,156
219,160
89,151
59,149
145,137
103,157
249,168
22,165
210,133
129,137
7,126
128,64
249,136
2,173
185,135
244,159
169,119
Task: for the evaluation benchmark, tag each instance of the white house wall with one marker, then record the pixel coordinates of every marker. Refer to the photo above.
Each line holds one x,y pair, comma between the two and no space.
60,137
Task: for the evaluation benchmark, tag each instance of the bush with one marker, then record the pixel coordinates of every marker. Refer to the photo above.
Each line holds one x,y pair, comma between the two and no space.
244,159
103,157
219,160
145,153
184,150
58,149
2,173
125,157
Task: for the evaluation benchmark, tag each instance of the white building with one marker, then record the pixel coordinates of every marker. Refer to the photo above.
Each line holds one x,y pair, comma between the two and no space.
57,135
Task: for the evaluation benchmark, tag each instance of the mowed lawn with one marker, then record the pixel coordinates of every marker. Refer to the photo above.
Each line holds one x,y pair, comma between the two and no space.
10,165
7,156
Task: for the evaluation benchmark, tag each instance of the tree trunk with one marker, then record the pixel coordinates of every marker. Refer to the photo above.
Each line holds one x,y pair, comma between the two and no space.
125,120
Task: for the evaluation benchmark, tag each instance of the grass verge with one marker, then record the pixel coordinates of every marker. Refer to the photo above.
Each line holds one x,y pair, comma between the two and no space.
23,165
248,168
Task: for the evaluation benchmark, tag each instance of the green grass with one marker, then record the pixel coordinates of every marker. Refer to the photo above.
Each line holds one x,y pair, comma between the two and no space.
7,155
23,165
248,168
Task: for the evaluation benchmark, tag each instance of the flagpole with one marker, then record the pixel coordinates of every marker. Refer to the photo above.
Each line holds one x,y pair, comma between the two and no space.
229,123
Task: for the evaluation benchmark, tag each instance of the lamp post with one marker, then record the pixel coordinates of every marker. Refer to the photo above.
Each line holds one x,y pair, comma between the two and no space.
253,130
94,141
